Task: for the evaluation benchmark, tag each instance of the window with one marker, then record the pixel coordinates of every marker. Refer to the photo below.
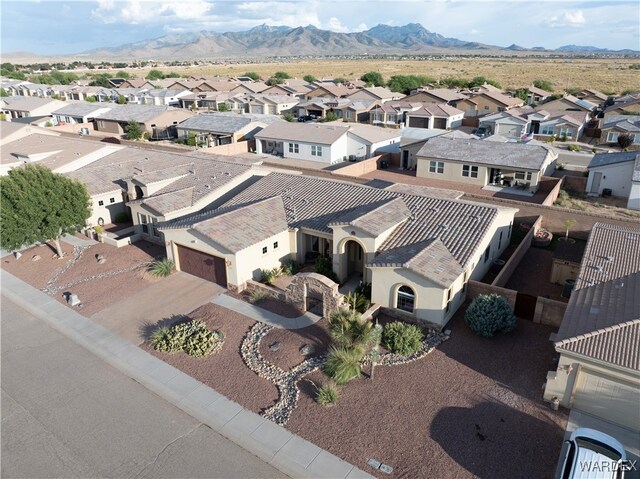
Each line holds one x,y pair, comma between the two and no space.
100,124
464,282
112,200
143,221
315,244
405,299
264,250
487,252
612,136
316,150
566,131
392,119
294,148
436,167
348,115
67,119
100,203
154,227
521,175
500,241
470,171
486,107
275,245
547,130
635,138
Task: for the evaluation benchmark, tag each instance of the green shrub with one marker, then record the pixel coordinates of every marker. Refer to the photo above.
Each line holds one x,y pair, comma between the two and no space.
290,267
257,295
200,343
98,229
343,364
163,340
146,136
327,395
357,302
324,266
350,330
489,313
268,276
121,218
560,166
365,290
289,117
192,337
402,338
161,267
574,148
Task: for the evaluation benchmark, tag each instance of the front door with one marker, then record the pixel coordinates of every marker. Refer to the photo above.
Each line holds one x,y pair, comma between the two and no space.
405,159
595,184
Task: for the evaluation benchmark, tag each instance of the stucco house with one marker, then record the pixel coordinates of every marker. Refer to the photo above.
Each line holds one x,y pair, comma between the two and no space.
166,97
269,104
536,95
487,102
617,172
615,125
568,103
159,121
28,107
329,89
80,112
418,252
413,139
213,129
598,371
592,96
377,93
483,163
627,105
436,95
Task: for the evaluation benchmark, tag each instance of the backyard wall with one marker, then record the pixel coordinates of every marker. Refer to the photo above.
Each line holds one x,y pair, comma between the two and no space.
232,148
575,183
476,288
549,312
270,291
513,262
359,168
553,194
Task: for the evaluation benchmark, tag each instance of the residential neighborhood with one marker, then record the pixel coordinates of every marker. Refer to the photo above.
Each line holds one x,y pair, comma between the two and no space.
374,274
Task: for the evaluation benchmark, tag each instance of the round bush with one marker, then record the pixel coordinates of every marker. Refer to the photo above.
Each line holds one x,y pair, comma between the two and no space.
488,314
402,338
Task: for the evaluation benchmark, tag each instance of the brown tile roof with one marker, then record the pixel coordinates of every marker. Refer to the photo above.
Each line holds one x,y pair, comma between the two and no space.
335,89
444,94
500,98
243,227
376,218
430,259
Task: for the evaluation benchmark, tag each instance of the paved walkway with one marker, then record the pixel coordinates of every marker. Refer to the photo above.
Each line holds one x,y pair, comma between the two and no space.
75,241
275,445
264,316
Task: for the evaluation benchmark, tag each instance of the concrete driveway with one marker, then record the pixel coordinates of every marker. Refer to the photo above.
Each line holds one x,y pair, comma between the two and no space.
136,316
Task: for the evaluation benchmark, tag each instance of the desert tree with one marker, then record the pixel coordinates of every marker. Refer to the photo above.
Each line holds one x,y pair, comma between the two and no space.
133,130
38,205
625,140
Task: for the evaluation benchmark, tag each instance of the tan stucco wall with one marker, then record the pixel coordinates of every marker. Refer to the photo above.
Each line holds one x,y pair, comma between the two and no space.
108,211
168,118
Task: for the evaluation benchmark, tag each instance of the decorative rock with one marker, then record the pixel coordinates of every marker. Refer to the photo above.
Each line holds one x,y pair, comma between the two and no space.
17,254
36,257
73,299
275,346
307,349
100,259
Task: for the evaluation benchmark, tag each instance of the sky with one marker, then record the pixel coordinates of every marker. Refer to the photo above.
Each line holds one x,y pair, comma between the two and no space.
49,27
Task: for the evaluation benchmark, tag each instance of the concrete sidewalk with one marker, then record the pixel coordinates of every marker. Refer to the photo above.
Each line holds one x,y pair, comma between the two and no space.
264,316
275,445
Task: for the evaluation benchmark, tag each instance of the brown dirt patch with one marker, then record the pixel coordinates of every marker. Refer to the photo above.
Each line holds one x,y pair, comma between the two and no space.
291,340
533,274
37,273
471,408
224,371
270,304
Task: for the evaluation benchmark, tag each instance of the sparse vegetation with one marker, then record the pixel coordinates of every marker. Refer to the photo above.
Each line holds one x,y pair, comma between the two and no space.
488,314
257,295
350,330
357,302
268,276
253,75
133,130
290,267
161,267
543,85
343,364
574,148
193,337
327,395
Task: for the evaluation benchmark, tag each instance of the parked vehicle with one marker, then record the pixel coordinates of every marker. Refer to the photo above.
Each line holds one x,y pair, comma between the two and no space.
481,132
592,454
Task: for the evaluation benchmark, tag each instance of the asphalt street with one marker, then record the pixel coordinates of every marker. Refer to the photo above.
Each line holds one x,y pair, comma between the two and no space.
65,413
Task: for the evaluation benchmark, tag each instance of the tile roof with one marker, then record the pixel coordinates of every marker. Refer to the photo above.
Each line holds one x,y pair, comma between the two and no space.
443,94
435,109
375,218
604,159
500,98
314,203
231,229
215,123
611,253
374,134
81,109
539,92
139,113
27,103
381,92
425,191
513,155
582,103
335,89
304,132
430,259
623,122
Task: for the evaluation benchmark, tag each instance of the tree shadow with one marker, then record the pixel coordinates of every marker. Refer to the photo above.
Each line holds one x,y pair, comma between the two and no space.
493,440
147,328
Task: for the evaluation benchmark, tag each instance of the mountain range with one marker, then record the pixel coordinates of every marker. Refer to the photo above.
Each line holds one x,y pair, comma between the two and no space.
410,39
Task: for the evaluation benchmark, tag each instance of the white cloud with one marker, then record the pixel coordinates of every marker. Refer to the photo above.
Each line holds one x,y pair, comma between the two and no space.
361,28
146,11
336,26
568,19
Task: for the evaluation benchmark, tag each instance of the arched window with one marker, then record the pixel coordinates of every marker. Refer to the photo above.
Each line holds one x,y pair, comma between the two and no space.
405,299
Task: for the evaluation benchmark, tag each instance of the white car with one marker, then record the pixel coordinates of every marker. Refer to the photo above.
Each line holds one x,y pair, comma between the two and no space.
592,454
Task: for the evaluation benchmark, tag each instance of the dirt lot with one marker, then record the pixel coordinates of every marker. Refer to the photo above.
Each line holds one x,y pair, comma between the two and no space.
614,206
602,74
471,408
124,272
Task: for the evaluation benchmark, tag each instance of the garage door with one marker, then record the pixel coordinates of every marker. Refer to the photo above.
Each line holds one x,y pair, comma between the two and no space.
612,400
205,266
510,131
440,123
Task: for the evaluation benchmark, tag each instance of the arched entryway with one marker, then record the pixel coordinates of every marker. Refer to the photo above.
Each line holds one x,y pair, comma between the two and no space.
354,256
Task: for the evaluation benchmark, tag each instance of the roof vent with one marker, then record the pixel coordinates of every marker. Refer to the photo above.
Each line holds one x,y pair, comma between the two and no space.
609,259
618,284
594,310
444,226
599,269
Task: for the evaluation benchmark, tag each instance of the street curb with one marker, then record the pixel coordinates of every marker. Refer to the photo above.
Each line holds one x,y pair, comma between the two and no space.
291,454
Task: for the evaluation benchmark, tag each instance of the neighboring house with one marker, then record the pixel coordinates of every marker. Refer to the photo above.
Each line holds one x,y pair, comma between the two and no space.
329,89
213,129
356,111
58,153
249,88
568,103
27,107
436,95
617,172
138,83
211,101
510,124
435,115
163,97
413,139
12,87
377,93
482,163
487,102
293,87
78,92
159,121
418,252
559,124
328,143
593,96
80,112
598,372
628,105
12,131
615,125
269,104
